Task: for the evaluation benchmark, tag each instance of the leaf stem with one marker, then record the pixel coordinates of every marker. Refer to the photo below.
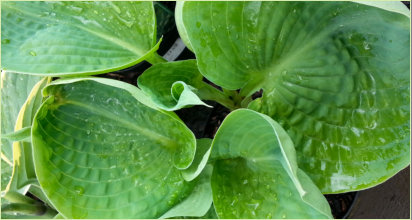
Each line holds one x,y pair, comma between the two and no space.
28,209
155,58
208,92
19,198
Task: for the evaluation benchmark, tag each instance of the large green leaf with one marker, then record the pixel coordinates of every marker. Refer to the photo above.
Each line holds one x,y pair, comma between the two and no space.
76,38
15,89
100,152
255,173
335,75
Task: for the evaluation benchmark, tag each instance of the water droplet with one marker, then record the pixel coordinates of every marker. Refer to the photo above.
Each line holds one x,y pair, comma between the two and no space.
366,45
88,132
79,190
33,53
5,41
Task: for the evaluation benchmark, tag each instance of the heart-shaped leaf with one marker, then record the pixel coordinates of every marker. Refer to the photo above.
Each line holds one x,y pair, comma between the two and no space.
255,173
335,75
76,38
15,88
101,152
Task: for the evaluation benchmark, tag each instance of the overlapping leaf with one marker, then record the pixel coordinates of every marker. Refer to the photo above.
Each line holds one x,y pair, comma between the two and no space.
15,89
335,75
255,173
76,38
23,166
102,150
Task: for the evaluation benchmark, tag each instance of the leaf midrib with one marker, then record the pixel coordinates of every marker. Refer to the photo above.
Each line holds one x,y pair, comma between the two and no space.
117,41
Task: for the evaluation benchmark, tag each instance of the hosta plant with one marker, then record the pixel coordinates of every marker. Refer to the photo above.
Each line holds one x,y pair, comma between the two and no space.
333,115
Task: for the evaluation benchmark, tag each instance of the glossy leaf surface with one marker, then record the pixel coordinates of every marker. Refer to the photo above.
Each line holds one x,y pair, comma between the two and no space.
15,89
255,173
335,75
173,85
100,152
76,38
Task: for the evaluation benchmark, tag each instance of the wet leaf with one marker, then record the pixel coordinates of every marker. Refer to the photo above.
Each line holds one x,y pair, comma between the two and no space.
100,138
76,38
335,75
255,172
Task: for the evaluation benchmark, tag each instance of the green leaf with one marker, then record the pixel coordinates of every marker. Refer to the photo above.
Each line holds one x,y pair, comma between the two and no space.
76,38
23,167
255,173
99,152
198,203
15,89
173,85
203,148
335,75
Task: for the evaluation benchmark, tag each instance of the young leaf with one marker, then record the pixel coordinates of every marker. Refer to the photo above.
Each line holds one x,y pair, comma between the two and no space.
255,173
175,85
334,74
14,91
76,38
172,85
99,152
